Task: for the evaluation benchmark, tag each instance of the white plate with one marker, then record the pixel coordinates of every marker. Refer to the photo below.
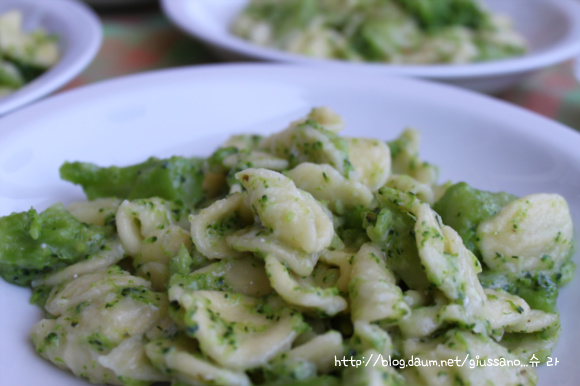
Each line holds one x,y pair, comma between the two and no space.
552,29
80,34
118,3
490,144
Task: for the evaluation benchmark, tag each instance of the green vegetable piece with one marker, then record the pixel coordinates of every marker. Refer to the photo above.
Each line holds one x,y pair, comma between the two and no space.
540,343
10,77
100,342
29,71
393,231
307,150
539,291
181,264
567,270
491,50
32,244
215,280
433,15
463,208
177,179
286,15
215,161
352,231
40,295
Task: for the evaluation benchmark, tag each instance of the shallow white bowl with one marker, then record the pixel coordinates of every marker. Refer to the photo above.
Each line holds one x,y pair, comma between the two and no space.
490,144
80,33
551,27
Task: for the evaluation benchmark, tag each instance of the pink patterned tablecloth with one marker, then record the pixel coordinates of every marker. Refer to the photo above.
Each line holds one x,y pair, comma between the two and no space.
146,40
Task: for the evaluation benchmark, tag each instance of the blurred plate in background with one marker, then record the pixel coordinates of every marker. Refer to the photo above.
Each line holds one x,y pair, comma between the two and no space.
79,34
552,29
112,4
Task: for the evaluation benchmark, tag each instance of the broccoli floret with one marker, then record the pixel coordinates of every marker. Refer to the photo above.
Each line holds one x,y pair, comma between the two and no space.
433,15
393,231
32,244
463,208
177,179
539,291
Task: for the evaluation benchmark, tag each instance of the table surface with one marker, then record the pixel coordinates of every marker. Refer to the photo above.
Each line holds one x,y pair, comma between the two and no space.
143,39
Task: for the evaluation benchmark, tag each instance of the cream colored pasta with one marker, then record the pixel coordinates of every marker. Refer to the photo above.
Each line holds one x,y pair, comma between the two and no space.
373,291
456,343
448,263
99,318
307,249
369,336
182,360
151,236
291,215
111,254
95,212
258,338
261,243
326,184
310,142
371,159
303,293
529,234
405,159
406,183
210,227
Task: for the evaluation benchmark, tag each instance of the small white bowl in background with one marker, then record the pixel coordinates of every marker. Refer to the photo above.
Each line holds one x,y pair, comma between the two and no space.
552,29
79,32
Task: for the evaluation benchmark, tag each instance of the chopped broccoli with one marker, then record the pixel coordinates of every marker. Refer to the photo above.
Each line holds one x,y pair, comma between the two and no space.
539,291
433,15
463,208
177,179
393,231
33,243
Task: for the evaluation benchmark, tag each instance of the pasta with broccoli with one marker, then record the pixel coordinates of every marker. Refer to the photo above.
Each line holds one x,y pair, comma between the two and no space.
276,256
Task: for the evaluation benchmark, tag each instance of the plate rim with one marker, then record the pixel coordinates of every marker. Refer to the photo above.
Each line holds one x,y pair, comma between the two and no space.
567,47
529,120
81,56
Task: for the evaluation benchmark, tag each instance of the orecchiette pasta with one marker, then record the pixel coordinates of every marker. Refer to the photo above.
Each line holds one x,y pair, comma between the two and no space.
405,158
111,254
371,159
532,233
235,330
306,254
95,212
309,142
455,344
326,184
311,358
151,235
290,214
211,226
182,360
448,263
373,291
100,320
406,183
262,243
301,293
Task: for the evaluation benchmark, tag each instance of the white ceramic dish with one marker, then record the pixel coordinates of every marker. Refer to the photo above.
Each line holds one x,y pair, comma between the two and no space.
118,3
552,29
488,143
80,34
